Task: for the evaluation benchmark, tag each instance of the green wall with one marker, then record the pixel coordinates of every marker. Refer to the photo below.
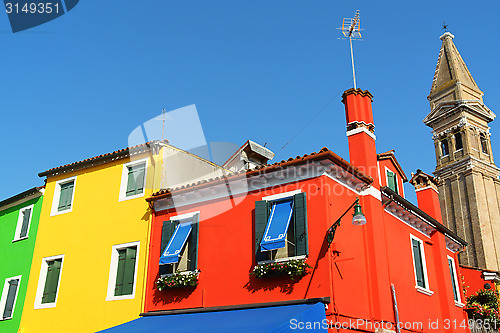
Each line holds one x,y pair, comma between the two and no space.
16,257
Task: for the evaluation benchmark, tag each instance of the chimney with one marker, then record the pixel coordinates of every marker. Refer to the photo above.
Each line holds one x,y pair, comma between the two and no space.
360,128
426,187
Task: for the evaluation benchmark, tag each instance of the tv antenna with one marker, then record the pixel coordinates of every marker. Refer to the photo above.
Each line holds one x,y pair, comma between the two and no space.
163,125
351,29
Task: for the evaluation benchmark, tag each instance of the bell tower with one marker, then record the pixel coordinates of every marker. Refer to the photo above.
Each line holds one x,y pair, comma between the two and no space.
469,190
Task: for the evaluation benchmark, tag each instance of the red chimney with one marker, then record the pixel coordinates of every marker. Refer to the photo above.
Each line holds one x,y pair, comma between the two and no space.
426,188
360,128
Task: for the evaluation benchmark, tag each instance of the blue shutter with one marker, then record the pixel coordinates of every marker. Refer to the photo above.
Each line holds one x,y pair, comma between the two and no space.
277,225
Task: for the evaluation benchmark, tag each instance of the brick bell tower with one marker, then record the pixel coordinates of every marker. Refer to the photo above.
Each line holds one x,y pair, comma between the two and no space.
469,189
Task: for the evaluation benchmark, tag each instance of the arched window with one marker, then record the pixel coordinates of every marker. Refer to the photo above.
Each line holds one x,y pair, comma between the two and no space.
484,143
444,147
458,140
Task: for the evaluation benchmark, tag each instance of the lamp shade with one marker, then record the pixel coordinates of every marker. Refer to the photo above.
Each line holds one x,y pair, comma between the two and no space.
358,218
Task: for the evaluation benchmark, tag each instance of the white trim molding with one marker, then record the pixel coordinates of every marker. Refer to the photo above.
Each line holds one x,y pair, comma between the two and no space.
57,196
184,216
19,226
113,268
5,292
281,195
361,129
425,290
41,282
124,180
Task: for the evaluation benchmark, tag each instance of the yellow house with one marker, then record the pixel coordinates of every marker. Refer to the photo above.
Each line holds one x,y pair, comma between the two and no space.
89,262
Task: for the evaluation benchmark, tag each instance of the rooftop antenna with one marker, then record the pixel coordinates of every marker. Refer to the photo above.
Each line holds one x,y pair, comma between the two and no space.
445,26
351,29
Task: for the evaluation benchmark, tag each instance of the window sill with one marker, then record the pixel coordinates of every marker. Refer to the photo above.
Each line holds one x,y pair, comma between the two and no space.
281,260
19,239
45,305
458,150
123,197
444,156
424,291
117,298
460,305
62,212
197,271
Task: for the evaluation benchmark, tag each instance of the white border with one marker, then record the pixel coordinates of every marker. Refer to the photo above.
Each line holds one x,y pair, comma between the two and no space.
3,300
360,130
113,268
281,195
426,290
57,195
184,216
387,179
458,302
41,283
124,180
17,235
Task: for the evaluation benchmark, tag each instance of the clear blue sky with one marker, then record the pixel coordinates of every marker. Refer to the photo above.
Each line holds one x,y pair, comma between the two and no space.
77,86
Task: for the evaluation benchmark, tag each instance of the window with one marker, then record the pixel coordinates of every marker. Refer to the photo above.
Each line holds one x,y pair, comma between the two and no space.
133,180
458,141
454,281
123,271
419,265
484,143
9,296
179,244
64,193
48,282
444,148
281,226
23,223
392,180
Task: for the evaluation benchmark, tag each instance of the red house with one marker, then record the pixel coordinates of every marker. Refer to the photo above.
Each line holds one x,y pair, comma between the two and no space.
276,248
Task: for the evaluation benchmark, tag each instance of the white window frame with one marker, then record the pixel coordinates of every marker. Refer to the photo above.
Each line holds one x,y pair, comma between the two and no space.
17,235
113,269
427,290
41,282
387,170
124,180
458,302
3,299
180,218
57,196
275,197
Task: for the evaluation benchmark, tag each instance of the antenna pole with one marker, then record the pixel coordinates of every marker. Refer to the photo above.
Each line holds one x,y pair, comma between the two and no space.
351,28
352,62
163,125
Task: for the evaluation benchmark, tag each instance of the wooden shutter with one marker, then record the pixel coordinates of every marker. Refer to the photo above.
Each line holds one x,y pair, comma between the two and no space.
122,257
129,270
140,179
419,266
65,196
392,181
131,186
262,209
11,298
52,281
453,281
26,222
166,233
300,224
193,244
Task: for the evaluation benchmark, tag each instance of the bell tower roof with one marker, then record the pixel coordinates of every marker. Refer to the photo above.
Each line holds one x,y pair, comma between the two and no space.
451,69
453,85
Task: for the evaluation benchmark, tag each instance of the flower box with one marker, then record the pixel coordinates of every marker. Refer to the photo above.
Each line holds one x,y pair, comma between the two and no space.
178,280
292,268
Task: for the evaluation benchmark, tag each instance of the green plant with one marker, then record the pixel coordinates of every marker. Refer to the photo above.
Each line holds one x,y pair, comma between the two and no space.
177,280
292,268
484,304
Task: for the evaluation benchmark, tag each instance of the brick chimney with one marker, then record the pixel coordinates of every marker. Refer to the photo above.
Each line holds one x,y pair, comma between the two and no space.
426,187
360,129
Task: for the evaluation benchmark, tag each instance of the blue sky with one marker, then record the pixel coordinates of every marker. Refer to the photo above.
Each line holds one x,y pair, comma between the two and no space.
269,71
